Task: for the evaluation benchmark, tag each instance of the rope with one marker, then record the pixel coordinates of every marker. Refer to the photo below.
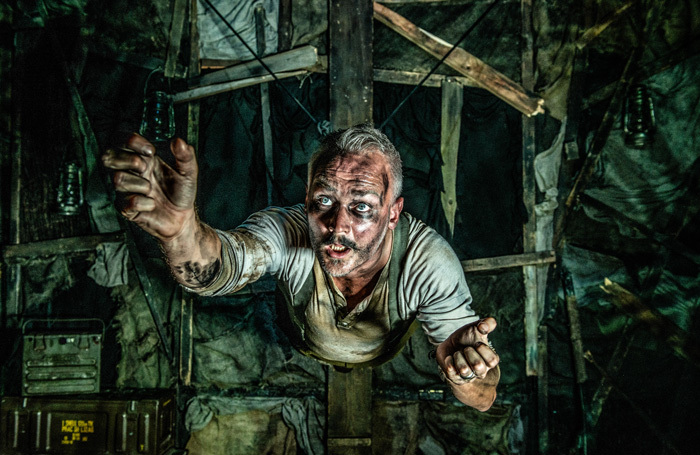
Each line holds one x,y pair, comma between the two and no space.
321,126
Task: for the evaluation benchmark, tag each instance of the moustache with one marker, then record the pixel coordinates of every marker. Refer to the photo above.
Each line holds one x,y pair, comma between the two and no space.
347,243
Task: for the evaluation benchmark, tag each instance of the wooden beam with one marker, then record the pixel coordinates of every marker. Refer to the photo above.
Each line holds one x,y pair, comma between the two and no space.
543,390
466,64
613,368
302,58
414,78
13,276
529,198
284,26
590,34
265,104
505,262
402,77
175,37
451,123
574,328
350,411
186,343
210,90
350,30
68,245
682,343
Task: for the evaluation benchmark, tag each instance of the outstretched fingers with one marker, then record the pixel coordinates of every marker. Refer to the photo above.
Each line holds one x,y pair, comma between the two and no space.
140,145
126,182
185,161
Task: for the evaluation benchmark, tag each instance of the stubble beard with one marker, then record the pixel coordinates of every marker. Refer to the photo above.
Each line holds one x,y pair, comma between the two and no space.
341,267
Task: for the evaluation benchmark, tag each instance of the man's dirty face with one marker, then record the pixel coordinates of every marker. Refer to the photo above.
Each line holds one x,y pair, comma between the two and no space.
350,208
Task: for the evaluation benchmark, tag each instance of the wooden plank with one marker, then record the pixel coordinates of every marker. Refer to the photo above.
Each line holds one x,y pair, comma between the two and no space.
296,59
613,368
14,275
531,316
186,342
350,29
465,63
529,197
265,104
590,34
68,245
682,343
347,443
210,90
175,37
451,122
349,410
504,262
543,391
193,71
284,26
414,78
574,328
402,77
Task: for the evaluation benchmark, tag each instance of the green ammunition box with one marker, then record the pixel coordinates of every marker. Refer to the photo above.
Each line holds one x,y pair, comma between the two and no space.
61,356
140,423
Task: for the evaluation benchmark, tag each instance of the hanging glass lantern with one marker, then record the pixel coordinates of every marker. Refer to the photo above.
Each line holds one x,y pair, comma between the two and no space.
69,197
158,119
639,120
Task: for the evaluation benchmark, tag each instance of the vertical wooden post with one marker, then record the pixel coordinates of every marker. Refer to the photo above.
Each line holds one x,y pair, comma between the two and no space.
175,37
14,283
192,72
534,362
350,30
284,26
451,122
265,103
530,227
186,313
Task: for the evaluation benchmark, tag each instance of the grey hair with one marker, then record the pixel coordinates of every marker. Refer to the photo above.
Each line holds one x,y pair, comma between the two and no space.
359,139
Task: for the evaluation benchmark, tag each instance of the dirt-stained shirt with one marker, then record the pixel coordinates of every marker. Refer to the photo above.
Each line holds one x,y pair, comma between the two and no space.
431,284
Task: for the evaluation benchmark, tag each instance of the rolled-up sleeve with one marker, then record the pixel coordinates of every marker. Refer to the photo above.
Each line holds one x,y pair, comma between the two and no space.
262,244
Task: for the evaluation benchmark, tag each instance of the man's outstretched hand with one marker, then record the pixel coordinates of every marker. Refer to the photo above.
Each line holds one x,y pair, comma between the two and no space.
157,197
470,364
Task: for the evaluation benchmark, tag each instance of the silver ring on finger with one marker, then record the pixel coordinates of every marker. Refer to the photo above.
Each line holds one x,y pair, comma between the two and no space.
470,376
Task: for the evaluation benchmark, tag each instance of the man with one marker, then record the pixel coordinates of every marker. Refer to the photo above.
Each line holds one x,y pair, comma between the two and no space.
355,272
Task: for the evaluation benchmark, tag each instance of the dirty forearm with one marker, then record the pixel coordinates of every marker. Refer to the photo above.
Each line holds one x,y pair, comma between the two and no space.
194,256
480,393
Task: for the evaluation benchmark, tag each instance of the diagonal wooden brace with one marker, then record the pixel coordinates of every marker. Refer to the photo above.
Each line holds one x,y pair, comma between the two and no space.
462,61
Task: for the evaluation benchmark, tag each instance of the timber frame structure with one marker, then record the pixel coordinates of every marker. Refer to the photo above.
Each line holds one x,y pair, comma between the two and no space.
347,64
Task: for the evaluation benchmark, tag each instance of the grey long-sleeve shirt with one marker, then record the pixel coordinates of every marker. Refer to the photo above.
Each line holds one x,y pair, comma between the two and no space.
431,284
